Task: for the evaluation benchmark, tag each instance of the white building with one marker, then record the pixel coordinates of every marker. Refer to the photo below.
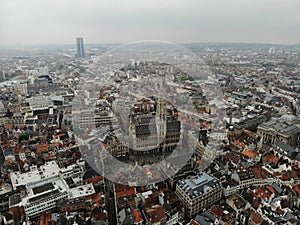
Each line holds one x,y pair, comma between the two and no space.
46,185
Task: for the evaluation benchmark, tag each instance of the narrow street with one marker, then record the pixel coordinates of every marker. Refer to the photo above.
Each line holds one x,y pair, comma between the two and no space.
110,203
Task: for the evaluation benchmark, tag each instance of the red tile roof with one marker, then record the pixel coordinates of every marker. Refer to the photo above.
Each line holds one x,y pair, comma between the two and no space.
255,204
160,212
122,190
137,216
280,212
8,126
232,157
249,153
256,218
240,143
248,133
216,211
271,158
193,222
296,189
96,197
256,172
262,193
42,147
153,215
59,135
94,180
18,149
270,189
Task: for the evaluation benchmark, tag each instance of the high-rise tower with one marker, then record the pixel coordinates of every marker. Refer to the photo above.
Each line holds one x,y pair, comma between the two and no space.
80,47
161,123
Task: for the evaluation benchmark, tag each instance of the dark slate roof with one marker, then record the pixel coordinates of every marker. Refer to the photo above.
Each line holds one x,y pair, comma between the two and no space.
298,157
205,218
286,148
277,188
15,199
46,195
199,184
248,197
289,216
90,173
43,188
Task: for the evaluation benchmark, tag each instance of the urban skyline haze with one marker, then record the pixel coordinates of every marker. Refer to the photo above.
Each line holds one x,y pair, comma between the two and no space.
98,21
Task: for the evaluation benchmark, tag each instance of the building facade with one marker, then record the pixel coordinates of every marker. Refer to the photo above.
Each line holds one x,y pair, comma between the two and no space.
198,193
153,128
285,129
43,187
80,47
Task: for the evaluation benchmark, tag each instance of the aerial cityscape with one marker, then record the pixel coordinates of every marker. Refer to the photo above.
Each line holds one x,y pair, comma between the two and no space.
186,127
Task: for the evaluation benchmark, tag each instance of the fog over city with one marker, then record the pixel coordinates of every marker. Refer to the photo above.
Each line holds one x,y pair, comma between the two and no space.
34,22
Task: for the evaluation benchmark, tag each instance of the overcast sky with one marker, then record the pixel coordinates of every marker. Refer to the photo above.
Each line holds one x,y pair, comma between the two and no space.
26,22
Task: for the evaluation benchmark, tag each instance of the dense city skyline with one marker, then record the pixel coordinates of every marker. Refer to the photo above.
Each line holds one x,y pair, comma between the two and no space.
56,22
117,139
175,112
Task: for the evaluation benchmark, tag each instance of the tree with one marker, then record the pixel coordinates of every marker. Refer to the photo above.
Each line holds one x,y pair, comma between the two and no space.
23,136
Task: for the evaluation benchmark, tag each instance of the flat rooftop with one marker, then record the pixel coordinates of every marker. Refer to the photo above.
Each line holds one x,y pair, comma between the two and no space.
44,191
82,191
47,171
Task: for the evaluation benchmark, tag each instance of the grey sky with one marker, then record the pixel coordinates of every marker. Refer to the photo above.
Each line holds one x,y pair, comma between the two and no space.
25,22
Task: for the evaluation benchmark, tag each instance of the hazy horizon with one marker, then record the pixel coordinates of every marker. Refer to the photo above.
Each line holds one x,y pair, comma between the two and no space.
56,22
73,44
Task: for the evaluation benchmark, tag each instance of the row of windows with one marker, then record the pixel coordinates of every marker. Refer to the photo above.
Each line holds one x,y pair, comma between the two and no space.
196,208
52,199
39,210
201,199
42,207
254,182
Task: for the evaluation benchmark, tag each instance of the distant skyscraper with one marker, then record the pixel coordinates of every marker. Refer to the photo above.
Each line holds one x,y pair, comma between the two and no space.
80,47
272,51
